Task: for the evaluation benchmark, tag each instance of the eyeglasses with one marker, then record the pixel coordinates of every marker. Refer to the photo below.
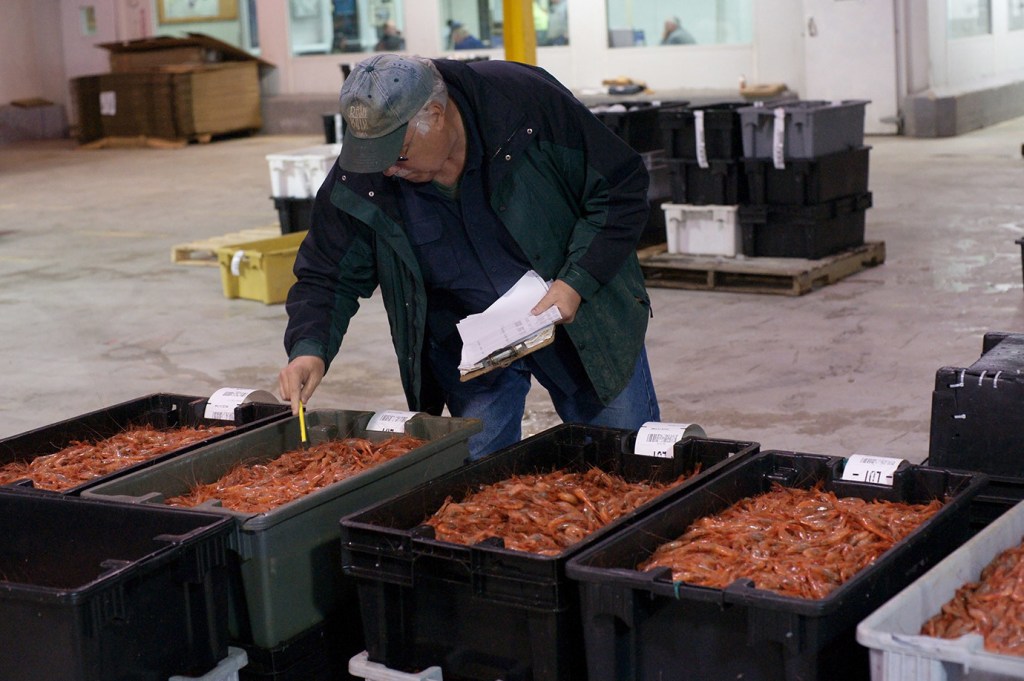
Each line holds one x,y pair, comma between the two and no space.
421,129
404,156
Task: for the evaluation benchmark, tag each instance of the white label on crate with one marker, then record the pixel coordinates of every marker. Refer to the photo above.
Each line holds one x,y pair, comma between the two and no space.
390,421
874,469
656,438
236,261
698,127
779,138
108,103
221,405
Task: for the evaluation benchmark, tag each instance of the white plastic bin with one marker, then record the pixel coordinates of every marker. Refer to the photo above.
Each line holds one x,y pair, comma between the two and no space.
226,669
900,653
298,174
361,667
702,230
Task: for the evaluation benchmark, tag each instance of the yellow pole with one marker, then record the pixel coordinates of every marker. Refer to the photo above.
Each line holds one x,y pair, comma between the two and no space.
520,36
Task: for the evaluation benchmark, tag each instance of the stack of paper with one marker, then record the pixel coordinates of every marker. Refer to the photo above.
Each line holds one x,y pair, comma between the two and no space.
506,324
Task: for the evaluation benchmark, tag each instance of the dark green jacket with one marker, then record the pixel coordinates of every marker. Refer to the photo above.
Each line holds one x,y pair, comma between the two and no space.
571,193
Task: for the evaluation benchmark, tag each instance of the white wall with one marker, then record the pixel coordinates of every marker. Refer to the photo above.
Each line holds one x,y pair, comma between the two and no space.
968,63
31,58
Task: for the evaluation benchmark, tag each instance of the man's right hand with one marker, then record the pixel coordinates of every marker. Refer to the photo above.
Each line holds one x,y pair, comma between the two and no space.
299,379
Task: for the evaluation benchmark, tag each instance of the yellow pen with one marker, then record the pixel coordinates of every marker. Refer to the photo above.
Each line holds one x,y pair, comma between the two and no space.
302,422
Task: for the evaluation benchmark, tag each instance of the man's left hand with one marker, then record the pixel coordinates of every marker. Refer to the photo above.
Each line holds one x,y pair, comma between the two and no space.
564,297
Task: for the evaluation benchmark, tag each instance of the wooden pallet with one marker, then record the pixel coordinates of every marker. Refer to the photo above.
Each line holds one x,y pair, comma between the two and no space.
145,141
204,252
137,141
785,276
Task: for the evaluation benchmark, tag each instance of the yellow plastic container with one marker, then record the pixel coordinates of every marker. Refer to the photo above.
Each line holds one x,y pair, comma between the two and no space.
259,270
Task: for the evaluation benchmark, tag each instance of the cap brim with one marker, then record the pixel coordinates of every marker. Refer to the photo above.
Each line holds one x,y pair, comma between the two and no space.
371,155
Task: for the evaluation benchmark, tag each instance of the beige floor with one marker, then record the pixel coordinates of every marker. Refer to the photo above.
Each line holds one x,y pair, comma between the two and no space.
94,312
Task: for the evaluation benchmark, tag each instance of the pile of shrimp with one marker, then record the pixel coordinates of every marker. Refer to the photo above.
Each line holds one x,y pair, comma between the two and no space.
258,488
81,462
990,607
793,541
542,513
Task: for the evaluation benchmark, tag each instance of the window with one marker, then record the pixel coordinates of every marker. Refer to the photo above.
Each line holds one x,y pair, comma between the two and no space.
551,21
87,17
331,26
1015,15
471,25
967,18
479,24
251,25
679,22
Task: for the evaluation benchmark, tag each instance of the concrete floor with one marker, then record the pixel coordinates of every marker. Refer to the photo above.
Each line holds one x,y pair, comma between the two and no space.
94,312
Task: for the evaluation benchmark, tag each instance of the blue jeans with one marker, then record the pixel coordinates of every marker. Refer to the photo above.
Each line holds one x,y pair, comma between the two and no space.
498,399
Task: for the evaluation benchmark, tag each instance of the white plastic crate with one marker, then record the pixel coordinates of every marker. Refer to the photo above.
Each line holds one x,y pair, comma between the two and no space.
702,230
891,633
298,174
361,667
226,669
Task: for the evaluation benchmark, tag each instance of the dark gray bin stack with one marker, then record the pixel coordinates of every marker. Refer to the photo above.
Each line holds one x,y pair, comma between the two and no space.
807,199
636,123
704,150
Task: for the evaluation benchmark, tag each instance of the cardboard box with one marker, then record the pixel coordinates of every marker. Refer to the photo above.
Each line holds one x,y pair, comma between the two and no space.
146,54
214,99
168,88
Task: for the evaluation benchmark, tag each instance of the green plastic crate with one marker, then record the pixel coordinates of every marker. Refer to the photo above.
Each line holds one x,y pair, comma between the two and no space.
289,570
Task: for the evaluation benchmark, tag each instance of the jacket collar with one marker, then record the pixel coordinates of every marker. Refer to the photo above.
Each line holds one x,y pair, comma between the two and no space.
501,122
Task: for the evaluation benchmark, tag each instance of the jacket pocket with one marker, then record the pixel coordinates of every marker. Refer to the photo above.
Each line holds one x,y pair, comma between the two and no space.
435,254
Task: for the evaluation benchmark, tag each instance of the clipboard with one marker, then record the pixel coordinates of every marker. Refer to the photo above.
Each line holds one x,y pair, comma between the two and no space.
502,358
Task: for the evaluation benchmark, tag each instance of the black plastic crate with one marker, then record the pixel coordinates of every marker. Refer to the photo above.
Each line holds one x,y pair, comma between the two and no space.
638,124
976,420
804,231
654,231
721,183
805,182
159,410
997,497
723,134
94,591
294,215
483,611
334,128
320,653
644,626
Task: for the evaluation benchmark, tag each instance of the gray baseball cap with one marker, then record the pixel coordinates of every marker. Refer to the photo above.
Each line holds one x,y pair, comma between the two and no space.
378,99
